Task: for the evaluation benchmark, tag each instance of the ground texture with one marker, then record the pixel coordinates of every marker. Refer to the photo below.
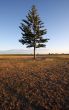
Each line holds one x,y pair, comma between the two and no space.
26,84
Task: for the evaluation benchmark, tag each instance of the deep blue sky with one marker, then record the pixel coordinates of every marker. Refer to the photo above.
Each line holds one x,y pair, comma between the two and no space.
54,14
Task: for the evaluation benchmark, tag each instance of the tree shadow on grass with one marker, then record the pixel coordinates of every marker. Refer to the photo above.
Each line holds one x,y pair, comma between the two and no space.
24,102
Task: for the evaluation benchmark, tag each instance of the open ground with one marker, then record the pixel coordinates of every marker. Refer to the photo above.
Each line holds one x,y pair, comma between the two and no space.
28,84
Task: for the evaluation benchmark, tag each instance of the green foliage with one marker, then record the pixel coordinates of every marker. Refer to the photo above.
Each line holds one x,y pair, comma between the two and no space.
32,30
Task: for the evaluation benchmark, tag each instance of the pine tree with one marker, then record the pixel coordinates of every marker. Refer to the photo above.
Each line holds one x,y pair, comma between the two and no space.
32,30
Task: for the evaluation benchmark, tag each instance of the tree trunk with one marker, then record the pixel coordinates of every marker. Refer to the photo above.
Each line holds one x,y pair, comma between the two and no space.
34,53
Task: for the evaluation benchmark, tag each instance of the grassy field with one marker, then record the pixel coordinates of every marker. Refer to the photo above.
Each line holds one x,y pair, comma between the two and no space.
28,84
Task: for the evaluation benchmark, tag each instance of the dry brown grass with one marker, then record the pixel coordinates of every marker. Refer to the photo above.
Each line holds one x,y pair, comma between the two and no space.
27,84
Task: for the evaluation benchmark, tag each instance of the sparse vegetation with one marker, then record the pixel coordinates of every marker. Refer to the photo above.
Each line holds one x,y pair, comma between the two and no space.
26,84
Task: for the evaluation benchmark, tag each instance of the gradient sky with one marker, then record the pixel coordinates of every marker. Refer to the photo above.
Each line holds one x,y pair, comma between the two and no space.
54,14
